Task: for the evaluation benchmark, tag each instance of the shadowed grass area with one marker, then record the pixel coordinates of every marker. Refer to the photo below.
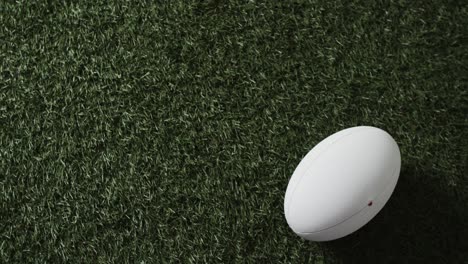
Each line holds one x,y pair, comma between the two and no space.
144,132
423,222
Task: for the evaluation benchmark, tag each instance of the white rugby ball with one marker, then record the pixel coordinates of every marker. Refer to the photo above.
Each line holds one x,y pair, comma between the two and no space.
342,183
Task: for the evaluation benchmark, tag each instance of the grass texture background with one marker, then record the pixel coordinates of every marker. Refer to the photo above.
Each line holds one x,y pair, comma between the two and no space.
156,132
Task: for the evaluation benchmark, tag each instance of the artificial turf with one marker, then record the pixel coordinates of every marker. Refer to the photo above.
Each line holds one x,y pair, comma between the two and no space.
154,132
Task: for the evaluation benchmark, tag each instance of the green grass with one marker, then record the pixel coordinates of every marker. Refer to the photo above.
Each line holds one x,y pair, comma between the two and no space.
142,132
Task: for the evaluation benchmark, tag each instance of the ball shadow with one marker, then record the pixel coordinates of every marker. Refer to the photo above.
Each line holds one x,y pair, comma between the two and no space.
425,221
